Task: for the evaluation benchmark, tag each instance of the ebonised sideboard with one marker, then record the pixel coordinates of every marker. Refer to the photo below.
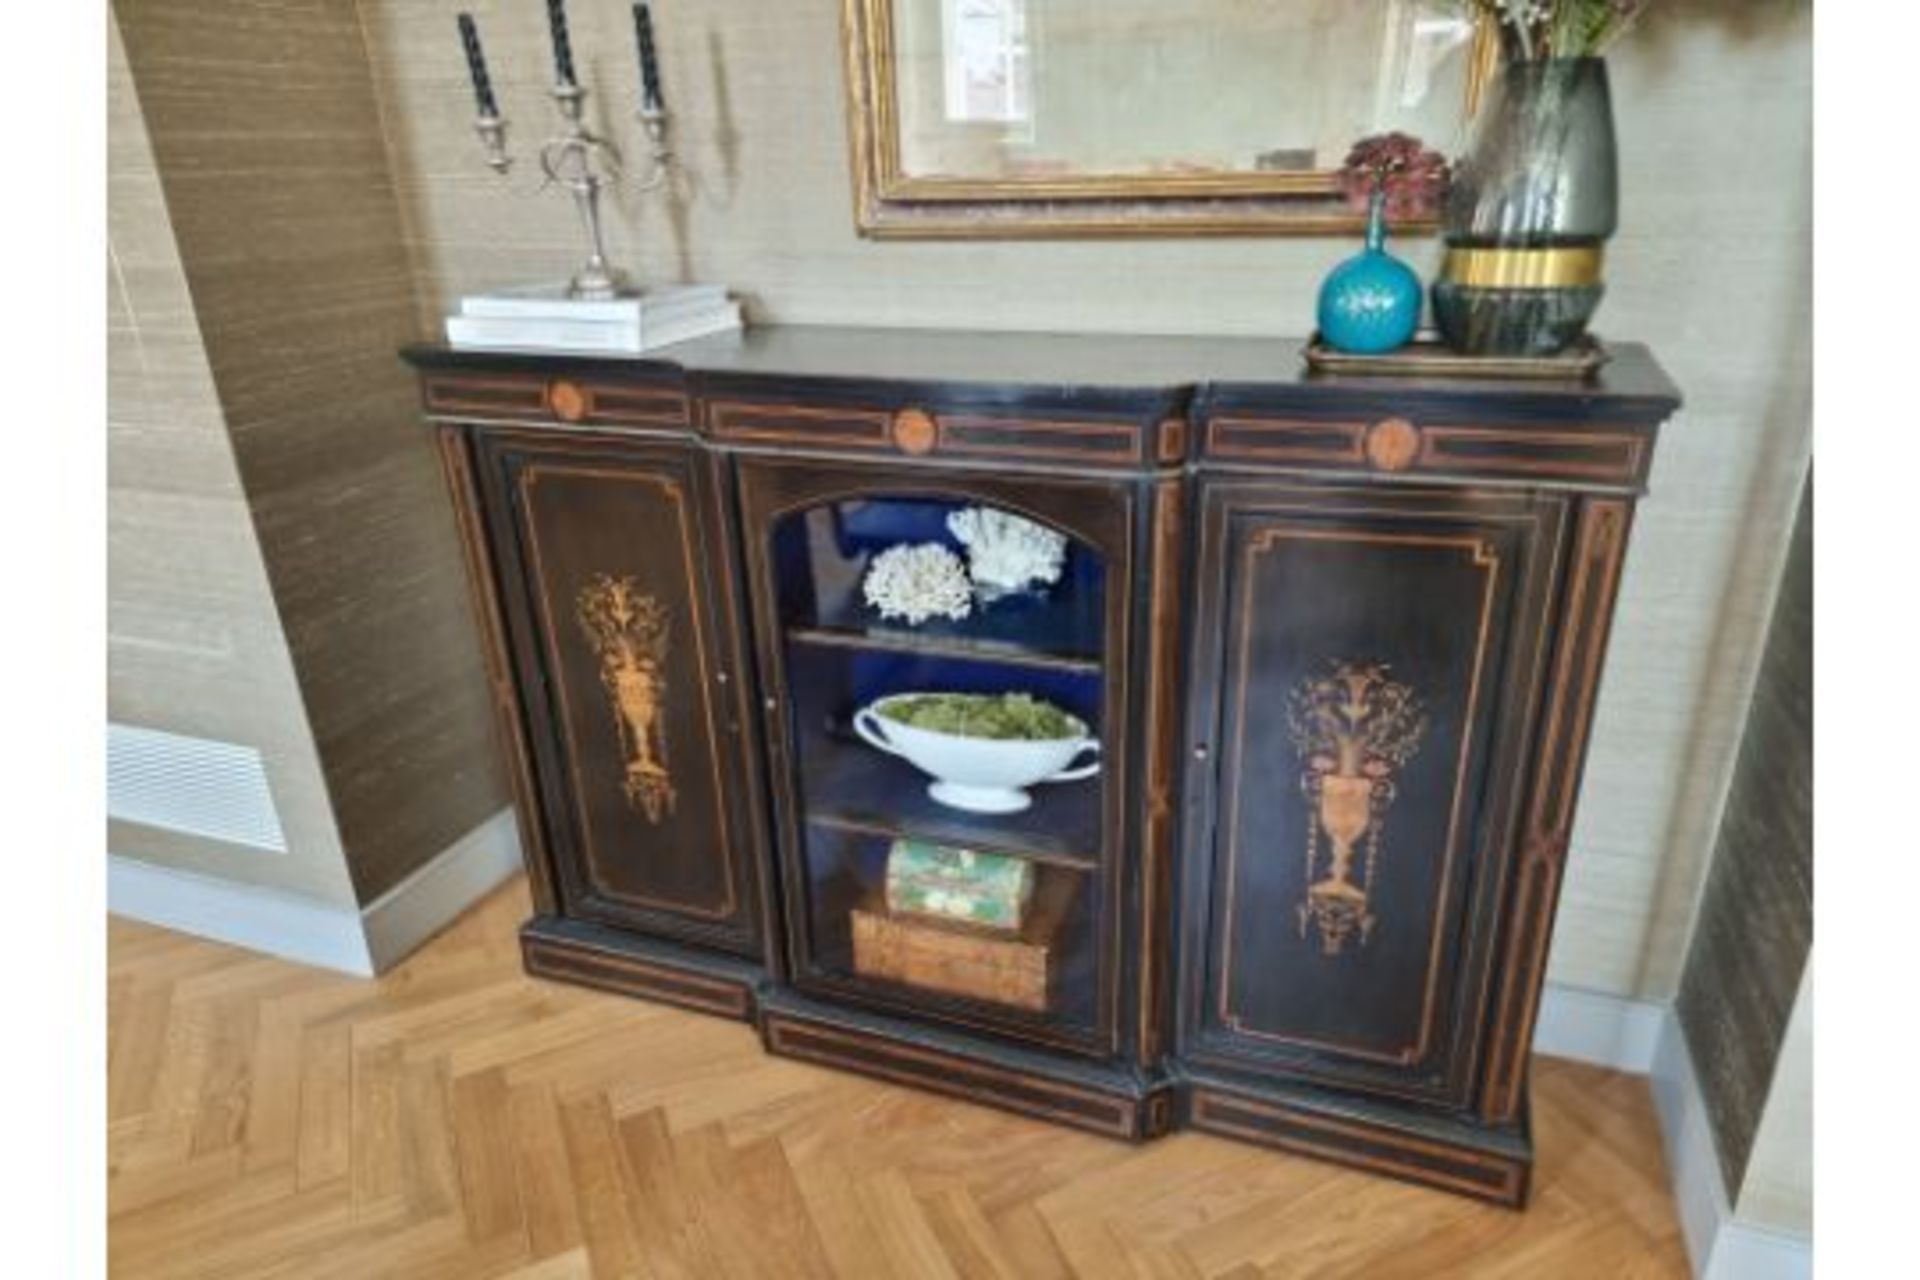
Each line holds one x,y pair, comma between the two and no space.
1339,639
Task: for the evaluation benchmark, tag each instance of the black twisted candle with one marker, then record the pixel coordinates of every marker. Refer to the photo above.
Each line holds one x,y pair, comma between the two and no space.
650,96
562,45
477,67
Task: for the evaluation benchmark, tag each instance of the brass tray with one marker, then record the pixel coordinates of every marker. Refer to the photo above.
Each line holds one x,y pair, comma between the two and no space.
1428,357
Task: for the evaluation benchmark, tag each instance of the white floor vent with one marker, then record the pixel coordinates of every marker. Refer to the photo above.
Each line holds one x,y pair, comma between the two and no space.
192,785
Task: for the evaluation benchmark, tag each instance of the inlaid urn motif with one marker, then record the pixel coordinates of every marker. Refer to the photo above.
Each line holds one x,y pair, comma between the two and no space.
628,630
1354,727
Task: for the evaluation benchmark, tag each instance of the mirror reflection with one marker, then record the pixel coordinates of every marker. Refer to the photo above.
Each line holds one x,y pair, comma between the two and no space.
1037,89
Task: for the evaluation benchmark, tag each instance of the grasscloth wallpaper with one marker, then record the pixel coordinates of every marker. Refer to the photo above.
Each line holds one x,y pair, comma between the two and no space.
1712,267
1755,928
194,642
271,157
1778,1190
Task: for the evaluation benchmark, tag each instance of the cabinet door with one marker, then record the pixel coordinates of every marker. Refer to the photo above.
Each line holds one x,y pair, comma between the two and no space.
854,813
620,605
1365,665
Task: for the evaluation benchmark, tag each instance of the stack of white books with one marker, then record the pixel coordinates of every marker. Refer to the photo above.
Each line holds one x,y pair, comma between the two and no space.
544,318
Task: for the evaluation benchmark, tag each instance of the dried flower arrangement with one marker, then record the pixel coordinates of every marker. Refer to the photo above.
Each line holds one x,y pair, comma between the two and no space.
1537,29
917,582
1006,553
1412,178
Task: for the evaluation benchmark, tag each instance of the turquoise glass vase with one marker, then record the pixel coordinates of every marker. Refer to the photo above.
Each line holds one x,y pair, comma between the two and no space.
1371,302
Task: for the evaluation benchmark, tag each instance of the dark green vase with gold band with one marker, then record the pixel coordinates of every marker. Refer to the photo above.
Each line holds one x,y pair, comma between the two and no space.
1531,208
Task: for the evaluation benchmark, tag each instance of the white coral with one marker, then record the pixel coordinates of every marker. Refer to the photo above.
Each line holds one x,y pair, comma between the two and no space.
918,582
1007,553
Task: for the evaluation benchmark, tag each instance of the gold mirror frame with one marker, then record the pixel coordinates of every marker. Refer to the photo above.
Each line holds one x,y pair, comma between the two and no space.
890,204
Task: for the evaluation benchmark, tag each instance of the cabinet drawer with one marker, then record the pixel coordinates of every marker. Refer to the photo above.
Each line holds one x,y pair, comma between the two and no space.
583,399
1365,662
918,429
1396,442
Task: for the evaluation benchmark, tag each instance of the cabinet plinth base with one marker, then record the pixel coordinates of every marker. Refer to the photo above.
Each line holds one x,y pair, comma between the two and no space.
1452,1154
1433,1149
571,951
1104,1099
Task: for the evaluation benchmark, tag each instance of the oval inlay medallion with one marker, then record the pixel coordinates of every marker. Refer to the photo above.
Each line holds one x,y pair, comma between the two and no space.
1393,444
567,400
914,431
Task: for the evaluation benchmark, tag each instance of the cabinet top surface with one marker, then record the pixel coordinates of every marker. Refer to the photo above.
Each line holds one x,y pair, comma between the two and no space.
1632,381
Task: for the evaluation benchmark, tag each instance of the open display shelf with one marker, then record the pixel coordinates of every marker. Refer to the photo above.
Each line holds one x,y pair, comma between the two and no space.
854,801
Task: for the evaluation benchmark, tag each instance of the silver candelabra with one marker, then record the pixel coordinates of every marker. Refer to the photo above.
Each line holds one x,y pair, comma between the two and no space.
585,164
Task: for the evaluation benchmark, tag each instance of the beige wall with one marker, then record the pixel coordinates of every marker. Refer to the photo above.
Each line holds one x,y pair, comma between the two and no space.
1712,267
194,643
268,144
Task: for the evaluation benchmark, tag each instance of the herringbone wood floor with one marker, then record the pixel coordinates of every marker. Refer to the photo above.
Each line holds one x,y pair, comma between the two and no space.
457,1118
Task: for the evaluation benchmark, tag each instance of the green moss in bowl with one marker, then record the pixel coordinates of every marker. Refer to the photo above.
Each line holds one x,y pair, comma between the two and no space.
1003,716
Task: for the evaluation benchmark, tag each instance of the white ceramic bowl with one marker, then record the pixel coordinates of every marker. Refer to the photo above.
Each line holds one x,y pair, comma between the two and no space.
980,775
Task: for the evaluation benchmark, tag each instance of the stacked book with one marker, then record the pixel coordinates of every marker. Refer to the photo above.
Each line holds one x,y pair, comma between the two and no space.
964,922
544,318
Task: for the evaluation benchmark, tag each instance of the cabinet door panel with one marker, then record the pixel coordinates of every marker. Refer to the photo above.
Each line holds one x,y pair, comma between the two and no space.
813,530
629,677
1364,668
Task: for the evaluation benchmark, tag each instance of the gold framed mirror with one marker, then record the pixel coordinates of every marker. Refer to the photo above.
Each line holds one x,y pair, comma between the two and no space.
1035,118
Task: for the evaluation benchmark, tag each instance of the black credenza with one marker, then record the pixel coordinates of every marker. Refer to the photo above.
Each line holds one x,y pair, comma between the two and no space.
1338,639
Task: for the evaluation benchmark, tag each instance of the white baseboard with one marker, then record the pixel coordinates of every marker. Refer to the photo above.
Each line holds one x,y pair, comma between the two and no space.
424,903
363,942
1589,1026
1721,1246
244,915
1644,1037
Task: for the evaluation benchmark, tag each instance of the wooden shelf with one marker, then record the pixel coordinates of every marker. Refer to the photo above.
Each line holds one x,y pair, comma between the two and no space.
852,787
897,830
883,640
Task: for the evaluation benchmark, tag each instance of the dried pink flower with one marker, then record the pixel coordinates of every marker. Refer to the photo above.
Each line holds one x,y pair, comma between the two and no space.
1412,177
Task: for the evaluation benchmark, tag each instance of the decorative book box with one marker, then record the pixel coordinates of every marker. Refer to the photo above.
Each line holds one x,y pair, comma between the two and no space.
984,966
1334,641
959,886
